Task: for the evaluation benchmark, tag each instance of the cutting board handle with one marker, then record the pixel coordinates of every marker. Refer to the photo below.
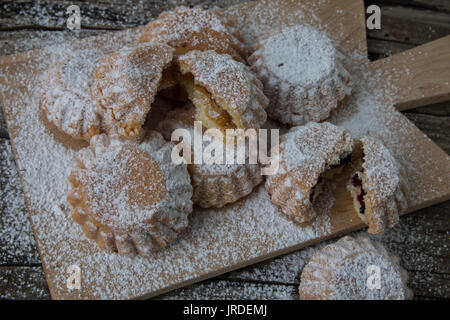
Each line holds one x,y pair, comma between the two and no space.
421,75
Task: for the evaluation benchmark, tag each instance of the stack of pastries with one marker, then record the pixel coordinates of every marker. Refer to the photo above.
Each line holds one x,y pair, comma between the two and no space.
129,196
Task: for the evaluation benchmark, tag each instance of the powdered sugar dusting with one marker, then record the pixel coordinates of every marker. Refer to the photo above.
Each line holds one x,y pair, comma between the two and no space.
66,98
340,271
231,84
369,111
303,73
300,54
197,252
16,239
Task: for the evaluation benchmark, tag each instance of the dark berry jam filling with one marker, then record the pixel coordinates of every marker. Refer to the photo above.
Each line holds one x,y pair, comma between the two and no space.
356,181
343,160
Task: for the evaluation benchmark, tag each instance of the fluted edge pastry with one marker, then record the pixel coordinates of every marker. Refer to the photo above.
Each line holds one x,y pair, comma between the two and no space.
376,186
186,29
130,198
65,99
226,93
303,74
341,271
214,185
307,156
125,85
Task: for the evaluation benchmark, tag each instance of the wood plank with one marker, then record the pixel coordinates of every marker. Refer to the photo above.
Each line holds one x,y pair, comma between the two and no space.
410,25
17,245
384,48
438,109
436,128
421,75
437,5
429,285
3,129
23,283
110,15
18,41
280,277
234,290
102,15
421,240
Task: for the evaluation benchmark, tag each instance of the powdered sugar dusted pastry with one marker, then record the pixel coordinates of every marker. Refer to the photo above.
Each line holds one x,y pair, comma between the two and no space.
307,155
225,92
341,271
187,29
125,84
376,186
302,74
130,198
215,185
65,98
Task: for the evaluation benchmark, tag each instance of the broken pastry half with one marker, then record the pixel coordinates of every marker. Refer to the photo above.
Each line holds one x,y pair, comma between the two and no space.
354,269
186,29
130,197
308,156
126,83
214,185
225,93
65,99
376,185
303,74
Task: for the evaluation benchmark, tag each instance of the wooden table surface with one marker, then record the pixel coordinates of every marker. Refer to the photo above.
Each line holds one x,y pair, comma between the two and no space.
421,239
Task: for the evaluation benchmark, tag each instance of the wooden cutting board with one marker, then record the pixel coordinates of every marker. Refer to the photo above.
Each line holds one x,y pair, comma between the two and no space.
243,233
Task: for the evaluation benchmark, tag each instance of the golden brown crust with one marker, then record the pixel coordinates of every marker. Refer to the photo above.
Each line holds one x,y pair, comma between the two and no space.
378,178
186,29
125,85
129,197
225,92
216,189
340,271
65,100
305,154
213,185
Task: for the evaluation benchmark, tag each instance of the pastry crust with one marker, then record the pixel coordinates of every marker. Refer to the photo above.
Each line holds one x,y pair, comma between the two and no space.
302,73
65,99
130,198
340,272
125,85
376,186
307,155
186,29
226,93
214,185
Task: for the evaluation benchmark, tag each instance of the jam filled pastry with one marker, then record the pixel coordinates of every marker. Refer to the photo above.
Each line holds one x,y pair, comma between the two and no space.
215,185
376,185
125,85
187,29
225,93
302,73
130,197
308,155
65,99
347,270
